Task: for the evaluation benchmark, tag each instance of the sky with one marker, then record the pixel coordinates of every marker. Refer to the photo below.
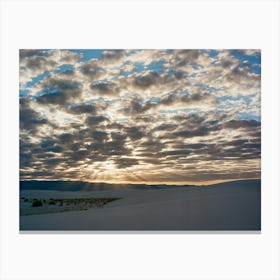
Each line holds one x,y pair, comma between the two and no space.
140,116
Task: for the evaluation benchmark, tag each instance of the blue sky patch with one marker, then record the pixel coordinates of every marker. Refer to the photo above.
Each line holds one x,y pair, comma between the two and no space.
37,79
88,54
65,68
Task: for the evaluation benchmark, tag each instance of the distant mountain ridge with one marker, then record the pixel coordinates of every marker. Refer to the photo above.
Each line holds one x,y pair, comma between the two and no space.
87,186
247,183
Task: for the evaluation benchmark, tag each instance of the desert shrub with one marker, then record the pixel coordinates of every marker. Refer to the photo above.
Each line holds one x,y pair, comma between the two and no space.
26,200
51,202
37,203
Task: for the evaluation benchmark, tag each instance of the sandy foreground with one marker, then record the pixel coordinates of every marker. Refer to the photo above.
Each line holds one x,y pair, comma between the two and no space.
222,207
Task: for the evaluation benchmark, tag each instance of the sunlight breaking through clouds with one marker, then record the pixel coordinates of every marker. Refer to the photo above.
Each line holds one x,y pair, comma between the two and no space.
156,116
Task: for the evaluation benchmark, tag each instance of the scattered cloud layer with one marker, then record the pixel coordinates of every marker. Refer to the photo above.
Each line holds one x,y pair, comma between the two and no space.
155,116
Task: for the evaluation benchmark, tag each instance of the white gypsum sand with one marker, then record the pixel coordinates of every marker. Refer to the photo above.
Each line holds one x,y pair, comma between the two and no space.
227,206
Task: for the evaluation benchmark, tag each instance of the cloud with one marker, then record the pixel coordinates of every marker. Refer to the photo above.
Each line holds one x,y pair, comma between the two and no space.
105,88
34,63
30,119
136,106
111,56
91,69
244,124
125,162
83,109
140,115
135,132
27,53
92,121
59,91
147,80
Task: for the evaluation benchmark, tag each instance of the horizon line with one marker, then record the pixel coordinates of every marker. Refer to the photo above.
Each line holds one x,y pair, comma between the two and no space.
191,183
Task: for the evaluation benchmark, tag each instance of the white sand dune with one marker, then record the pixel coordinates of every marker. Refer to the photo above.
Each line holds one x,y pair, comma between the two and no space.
227,206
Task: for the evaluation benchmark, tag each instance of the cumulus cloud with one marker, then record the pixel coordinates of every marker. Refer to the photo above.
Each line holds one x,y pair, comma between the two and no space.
39,62
140,115
30,119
